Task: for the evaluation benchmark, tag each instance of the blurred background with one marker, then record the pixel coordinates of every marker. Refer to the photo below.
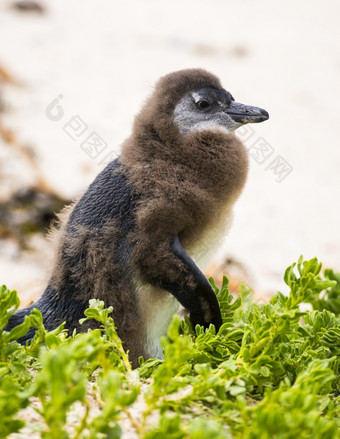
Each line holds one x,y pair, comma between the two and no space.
71,72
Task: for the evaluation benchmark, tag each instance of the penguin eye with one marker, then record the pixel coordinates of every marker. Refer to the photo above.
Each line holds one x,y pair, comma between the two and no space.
203,104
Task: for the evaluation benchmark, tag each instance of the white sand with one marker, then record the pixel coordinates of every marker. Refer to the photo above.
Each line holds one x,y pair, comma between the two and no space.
104,56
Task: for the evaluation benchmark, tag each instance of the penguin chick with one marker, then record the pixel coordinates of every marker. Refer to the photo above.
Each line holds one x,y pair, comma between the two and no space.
132,238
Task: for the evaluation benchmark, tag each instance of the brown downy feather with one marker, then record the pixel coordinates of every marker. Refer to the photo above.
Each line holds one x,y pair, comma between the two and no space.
183,185
187,183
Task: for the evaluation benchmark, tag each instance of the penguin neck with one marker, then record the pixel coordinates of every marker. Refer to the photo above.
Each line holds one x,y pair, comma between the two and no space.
210,161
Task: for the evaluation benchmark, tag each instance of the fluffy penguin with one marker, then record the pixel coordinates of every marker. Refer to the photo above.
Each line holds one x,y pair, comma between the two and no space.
132,238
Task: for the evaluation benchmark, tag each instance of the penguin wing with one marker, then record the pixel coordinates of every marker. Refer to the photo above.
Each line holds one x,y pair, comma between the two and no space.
177,273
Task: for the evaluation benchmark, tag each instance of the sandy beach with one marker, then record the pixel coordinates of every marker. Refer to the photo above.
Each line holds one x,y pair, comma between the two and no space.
98,61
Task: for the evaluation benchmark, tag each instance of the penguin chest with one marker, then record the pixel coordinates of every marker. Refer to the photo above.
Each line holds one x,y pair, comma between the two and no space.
157,308
206,242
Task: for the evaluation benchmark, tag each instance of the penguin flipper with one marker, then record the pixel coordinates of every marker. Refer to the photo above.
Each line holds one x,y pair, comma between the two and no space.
179,275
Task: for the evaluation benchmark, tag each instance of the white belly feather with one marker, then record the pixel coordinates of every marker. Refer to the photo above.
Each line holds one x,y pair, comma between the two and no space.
157,306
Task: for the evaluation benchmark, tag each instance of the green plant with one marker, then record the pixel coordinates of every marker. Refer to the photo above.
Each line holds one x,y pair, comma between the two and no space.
271,371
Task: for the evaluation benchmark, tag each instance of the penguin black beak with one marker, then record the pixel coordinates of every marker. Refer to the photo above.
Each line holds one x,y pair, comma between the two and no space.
246,113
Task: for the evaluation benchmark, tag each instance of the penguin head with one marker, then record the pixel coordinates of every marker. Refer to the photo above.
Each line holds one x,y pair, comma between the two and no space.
212,108
185,103
193,100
